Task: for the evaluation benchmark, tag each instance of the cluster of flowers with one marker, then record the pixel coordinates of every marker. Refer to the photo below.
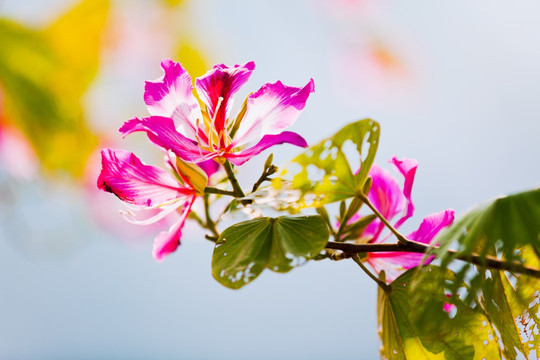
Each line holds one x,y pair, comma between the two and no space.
194,126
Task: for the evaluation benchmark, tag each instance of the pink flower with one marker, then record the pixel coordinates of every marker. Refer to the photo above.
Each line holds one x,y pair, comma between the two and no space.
147,187
393,202
197,131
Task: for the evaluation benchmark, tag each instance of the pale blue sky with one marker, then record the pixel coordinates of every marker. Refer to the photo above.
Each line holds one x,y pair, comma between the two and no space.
467,110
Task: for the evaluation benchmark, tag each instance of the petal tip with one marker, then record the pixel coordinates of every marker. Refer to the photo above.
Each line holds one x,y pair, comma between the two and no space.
250,65
129,127
311,85
167,63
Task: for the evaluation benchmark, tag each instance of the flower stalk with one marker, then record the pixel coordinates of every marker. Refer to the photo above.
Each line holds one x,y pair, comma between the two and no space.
379,282
209,223
401,239
238,192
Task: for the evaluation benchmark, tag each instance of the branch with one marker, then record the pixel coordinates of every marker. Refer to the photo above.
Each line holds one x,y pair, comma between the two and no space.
264,177
416,247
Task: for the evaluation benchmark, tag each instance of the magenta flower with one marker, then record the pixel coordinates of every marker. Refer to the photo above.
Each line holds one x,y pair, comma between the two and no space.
147,187
197,131
393,202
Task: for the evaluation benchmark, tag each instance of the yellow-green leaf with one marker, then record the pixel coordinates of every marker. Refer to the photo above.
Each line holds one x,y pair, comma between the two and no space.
415,326
336,168
513,308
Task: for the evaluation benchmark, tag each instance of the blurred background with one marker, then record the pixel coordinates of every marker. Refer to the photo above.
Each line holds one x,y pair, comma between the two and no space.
455,86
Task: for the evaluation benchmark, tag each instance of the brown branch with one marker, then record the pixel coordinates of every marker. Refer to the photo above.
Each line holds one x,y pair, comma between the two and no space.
415,247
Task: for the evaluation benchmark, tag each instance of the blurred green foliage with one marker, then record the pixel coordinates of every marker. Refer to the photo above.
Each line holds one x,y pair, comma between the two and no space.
43,75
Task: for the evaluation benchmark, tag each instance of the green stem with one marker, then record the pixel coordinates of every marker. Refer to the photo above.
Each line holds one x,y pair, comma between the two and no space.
234,182
401,239
382,284
264,177
210,224
212,190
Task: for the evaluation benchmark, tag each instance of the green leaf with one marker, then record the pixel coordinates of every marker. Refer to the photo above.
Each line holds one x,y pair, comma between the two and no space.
415,326
514,309
508,229
245,249
505,228
325,169
507,224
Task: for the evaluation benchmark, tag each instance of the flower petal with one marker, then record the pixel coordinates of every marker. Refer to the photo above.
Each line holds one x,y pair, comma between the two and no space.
161,131
221,83
395,263
387,197
168,241
172,96
210,167
267,141
270,110
124,175
162,212
431,225
407,167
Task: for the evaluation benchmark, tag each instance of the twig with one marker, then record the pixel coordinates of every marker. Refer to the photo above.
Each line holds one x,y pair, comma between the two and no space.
402,239
264,177
381,283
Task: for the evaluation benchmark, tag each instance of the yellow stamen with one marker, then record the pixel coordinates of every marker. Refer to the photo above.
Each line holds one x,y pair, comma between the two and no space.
220,160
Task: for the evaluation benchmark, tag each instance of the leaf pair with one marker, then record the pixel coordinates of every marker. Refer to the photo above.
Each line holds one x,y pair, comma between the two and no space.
245,249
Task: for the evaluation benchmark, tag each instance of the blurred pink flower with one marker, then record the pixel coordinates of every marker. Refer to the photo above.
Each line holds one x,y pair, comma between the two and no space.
393,202
17,155
199,131
148,188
